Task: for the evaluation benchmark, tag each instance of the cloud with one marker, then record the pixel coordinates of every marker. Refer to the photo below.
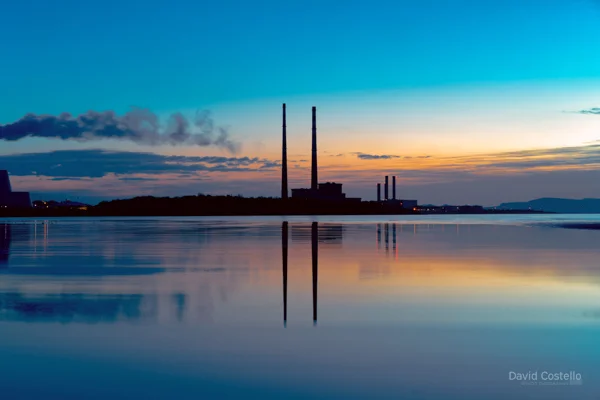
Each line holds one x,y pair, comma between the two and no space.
576,157
139,125
364,156
72,178
593,111
95,163
137,179
516,175
270,165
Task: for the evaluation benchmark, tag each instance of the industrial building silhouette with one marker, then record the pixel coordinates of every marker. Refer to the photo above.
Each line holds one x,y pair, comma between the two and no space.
328,191
10,199
318,191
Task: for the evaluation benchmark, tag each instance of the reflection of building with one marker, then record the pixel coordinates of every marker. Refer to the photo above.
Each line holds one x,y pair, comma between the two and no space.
10,199
10,233
5,237
329,233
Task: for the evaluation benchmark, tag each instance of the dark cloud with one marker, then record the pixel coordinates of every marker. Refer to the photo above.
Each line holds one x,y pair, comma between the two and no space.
138,125
73,164
364,156
137,179
270,165
214,160
594,111
69,179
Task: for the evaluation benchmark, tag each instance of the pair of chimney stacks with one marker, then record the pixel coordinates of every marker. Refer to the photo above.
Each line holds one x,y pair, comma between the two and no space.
386,189
314,181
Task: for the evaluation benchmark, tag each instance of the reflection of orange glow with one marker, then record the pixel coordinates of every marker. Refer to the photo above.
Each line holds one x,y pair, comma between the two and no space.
430,277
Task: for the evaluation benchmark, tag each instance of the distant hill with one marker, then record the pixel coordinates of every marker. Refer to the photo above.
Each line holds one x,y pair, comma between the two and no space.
556,205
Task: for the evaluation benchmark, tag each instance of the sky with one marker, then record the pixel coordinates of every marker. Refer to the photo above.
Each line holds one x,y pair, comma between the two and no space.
466,102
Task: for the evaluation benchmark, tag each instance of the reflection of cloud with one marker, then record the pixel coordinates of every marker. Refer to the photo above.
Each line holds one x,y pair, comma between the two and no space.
85,271
76,307
112,270
592,314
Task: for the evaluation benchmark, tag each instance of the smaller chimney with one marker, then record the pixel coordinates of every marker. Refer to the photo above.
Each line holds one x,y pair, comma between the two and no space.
379,192
386,188
394,187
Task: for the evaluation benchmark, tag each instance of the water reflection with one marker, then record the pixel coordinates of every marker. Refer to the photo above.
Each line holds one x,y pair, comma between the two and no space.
284,253
446,317
10,233
329,233
76,307
386,238
5,238
315,266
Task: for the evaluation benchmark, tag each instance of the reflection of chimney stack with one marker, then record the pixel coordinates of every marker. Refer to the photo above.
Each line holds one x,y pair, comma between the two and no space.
284,254
386,188
284,178
315,266
314,184
394,187
379,192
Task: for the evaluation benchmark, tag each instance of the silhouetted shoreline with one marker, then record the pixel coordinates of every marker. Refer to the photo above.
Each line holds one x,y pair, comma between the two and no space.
231,206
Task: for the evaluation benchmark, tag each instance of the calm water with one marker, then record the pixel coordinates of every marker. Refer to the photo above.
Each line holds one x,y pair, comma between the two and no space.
429,307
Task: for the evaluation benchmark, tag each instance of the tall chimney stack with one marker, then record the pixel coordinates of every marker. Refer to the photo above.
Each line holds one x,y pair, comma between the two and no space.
386,188
314,181
284,177
378,192
394,187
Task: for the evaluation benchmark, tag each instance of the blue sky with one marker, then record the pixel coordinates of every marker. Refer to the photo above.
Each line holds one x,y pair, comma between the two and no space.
387,76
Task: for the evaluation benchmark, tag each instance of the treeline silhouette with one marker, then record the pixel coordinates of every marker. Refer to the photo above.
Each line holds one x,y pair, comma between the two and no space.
237,205
206,205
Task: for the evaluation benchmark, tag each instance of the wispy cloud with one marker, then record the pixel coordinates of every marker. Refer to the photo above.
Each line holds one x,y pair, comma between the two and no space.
584,157
137,179
593,111
365,156
67,164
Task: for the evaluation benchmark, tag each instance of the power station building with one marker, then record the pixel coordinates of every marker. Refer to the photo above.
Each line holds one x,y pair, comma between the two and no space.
393,201
10,199
330,191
